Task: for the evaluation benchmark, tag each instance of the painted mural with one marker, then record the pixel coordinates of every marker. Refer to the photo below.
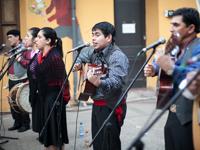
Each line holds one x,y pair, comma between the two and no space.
59,11
37,7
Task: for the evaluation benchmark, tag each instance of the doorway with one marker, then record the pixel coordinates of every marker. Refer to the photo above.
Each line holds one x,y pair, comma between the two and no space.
9,17
130,35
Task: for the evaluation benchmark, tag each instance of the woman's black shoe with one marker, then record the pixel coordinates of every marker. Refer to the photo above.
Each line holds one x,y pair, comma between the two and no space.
23,128
14,128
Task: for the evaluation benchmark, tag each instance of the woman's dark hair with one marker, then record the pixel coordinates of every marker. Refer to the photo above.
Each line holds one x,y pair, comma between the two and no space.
190,16
34,31
106,28
50,33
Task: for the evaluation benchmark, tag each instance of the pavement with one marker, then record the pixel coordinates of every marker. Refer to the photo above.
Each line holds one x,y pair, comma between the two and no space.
141,103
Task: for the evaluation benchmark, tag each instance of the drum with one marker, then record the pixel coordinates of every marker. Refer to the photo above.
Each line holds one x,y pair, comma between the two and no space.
19,98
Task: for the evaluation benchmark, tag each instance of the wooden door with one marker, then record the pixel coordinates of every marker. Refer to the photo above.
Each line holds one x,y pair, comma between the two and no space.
130,34
9,19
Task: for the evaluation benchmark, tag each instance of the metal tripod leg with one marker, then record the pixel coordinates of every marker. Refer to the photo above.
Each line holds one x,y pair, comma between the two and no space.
2,141
6,137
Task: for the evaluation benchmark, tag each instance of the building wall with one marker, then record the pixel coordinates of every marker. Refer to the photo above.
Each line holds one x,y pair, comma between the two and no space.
152,29
89,12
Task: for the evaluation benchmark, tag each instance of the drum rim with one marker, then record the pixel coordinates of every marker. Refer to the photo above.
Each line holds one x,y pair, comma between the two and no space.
19,88
18,96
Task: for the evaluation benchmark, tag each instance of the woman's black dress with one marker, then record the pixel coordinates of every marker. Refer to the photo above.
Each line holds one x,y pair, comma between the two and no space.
34,100
50,73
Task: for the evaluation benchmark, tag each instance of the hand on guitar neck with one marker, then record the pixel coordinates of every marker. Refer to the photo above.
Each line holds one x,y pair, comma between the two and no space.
149,70
77,67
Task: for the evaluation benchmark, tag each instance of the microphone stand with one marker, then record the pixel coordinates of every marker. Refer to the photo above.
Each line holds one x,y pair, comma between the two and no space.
122,97
9,61
171,101
57,98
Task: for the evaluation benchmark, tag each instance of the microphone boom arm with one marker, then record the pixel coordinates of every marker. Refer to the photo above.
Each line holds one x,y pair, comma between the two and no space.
79,48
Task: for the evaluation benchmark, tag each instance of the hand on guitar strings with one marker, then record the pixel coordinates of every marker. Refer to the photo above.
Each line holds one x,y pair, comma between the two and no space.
166,63
93,78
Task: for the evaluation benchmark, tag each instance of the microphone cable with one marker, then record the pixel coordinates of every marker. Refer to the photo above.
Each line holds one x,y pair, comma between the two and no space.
78,109
76,127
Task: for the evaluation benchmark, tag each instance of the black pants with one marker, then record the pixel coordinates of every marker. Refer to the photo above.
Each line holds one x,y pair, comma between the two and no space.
109,137
177,136
21,118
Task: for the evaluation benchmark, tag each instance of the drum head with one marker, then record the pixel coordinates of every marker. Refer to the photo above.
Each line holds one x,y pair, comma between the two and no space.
23,97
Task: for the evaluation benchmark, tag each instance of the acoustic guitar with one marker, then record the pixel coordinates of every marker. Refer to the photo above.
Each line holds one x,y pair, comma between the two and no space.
164,82
85,88
164,89
196,123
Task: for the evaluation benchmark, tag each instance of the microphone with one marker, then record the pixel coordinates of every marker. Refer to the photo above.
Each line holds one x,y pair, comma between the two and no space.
193,59
155,44
79,47
2,46
15,48
18,52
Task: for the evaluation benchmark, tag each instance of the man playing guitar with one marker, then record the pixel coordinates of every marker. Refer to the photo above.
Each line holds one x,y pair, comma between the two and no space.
108,87
178,128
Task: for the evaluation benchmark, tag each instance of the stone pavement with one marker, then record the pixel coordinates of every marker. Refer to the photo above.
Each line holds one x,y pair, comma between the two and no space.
140,102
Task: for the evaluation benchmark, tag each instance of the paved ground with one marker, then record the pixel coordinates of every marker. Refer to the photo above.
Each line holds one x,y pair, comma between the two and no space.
141,103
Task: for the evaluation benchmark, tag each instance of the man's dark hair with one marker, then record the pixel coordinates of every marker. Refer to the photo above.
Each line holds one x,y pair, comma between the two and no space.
14,32
190,16
106,28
